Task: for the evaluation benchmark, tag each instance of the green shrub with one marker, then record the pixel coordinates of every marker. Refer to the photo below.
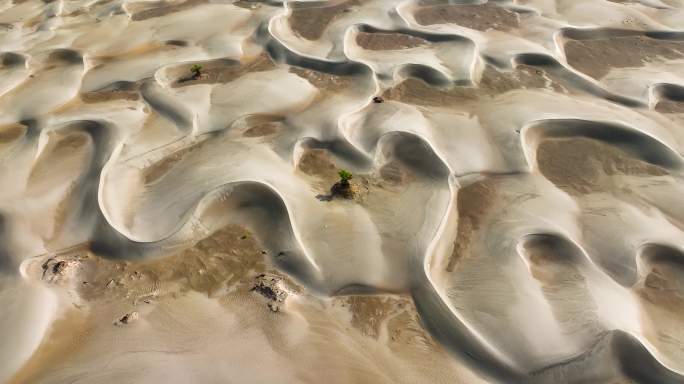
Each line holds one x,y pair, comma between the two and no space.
196,69
345,176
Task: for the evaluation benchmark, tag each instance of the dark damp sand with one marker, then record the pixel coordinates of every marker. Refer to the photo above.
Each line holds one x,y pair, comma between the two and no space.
579,165
382,41
479,17
219,71
492,83
474,202
310,20
596,57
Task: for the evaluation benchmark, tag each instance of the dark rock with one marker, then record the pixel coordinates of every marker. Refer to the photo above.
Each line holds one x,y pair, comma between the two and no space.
129,318
270,287
342,189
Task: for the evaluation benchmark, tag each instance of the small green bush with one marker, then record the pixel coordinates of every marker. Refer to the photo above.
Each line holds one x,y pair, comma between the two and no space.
196,69
345,176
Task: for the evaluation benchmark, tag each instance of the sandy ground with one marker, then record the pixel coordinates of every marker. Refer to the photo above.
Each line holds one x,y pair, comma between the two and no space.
171,208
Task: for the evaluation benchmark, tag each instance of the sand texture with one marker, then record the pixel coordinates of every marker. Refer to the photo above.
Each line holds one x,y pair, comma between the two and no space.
172,210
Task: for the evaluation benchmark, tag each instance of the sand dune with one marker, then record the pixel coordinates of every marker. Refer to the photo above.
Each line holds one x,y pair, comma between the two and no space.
168,210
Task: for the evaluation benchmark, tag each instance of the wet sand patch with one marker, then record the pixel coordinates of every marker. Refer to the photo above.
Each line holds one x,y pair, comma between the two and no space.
596,57
110,293
318,163
481,17
661,290
219,71
663,281
310,20
474,202
370,312
230,257
12,132
322,80
161,8
556,264
69,150
109,95
668,106
262,125
580,165
395,174
394,317
380,41
492,83
157,170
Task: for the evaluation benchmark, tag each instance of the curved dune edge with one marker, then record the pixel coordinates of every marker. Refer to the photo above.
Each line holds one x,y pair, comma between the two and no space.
515,216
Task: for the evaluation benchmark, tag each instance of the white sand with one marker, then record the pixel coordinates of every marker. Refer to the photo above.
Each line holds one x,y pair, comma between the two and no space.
517,216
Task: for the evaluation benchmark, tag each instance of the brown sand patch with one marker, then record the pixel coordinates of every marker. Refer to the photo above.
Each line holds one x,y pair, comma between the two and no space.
394,173
229,258
226,258
310,21
474,201
105,96
220,71
75,13
99,3
66,336
596,57
62,212
579,165
418,92
492,83
381,41
34,21
225,264
668,106
318,163
162,8
140,50
555,264
662,301
321,80
370,312
247,4
135,7
12,132
157,170
550,267
663,287
117,91
66,151
396,315
479,17
262,125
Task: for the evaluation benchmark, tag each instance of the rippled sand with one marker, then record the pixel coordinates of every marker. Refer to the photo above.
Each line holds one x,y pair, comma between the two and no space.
516,216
